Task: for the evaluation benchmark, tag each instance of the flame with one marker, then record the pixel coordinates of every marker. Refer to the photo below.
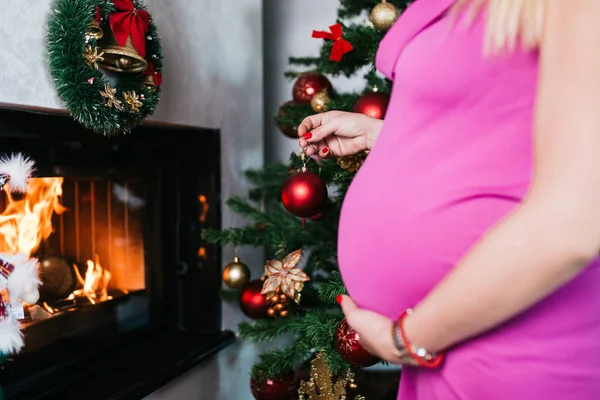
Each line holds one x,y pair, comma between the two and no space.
95,283
26,221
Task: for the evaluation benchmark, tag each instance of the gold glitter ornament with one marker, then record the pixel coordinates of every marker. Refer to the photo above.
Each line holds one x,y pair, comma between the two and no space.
352,163
110,100
92,57
132,100
319,102
321,385
383,16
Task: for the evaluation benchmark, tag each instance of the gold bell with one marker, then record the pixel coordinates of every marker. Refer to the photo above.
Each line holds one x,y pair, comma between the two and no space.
94,30
149,83
121,58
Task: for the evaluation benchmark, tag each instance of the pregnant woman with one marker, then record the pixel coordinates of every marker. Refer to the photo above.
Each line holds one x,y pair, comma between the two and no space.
469,239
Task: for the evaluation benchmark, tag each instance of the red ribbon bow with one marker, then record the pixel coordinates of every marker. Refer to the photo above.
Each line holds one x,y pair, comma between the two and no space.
98,16
130,20
150,70
340,45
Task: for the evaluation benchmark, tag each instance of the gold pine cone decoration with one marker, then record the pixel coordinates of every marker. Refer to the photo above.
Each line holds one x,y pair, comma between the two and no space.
352,163
319,102
383,16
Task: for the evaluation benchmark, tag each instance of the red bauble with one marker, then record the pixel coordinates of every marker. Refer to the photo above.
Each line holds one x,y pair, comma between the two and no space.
303,194
288,130
281,388
372,104
309,84
347,343
254,304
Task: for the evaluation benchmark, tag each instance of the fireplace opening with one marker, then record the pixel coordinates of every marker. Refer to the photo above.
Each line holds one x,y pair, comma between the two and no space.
87,234
130,294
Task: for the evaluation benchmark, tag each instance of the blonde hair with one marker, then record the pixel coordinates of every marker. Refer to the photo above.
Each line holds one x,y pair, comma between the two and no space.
508,22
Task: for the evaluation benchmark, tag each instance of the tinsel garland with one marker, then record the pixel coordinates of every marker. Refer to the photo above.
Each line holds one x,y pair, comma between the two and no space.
81,85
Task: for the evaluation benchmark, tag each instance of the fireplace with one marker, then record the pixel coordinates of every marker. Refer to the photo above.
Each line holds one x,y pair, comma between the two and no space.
130,294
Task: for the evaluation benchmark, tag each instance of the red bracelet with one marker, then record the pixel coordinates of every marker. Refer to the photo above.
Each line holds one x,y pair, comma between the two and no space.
420,355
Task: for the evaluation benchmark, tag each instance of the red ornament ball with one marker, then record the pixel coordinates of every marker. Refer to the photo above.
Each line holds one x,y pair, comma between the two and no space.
254,304
309,84
288,130
373,104
303,194
280,388
347,344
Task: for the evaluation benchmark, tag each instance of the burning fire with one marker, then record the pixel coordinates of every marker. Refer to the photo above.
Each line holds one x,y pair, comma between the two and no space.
27,221
94,284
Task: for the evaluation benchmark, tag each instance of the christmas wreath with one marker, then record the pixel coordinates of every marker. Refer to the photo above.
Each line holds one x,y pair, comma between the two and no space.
105,59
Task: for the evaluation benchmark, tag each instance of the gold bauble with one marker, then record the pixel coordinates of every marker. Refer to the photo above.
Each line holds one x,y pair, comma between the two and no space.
319,102
236,275
383,16
271,312
283,313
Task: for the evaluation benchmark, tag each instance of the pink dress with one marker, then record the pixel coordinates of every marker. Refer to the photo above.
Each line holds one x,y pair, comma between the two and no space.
454,156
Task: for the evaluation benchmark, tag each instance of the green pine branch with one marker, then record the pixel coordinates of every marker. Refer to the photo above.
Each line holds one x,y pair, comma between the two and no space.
271,329
314,331
329,290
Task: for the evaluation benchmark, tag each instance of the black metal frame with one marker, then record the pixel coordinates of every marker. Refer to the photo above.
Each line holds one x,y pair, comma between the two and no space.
184,321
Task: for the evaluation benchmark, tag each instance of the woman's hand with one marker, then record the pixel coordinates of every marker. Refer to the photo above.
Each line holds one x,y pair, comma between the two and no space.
374,330
338,133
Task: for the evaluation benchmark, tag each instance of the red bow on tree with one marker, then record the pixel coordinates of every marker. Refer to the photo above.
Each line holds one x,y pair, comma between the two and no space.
150,70
98,16
340,45
130,20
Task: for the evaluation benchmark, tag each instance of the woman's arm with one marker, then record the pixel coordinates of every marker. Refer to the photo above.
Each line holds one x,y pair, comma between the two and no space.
555,233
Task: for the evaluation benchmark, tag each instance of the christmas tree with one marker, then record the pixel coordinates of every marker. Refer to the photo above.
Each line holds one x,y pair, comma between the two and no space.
305,228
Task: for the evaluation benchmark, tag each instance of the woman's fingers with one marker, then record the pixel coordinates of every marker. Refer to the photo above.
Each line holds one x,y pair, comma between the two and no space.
309,123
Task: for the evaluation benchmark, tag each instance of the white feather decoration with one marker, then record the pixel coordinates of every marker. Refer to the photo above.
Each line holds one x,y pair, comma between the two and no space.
11,338
23,282
19,169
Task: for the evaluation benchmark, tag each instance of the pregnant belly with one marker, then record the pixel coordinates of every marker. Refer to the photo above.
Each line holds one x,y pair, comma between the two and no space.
396,243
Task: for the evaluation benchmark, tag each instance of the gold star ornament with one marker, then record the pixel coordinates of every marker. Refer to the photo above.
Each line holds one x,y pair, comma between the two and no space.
285,276
110,98
92,57
132,100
